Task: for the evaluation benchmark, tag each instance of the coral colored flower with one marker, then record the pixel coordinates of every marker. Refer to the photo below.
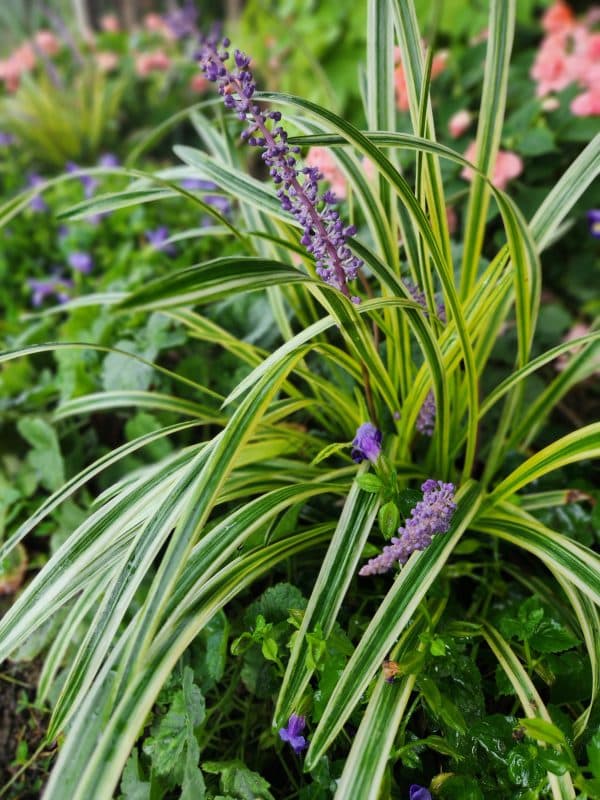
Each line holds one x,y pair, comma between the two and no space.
156,24
47,42
156,61
586,104
558,17
292,733
578,330
106,60
459,123
430,517
321,159
438,64
419,793
366,443
110,23
508,166
198,84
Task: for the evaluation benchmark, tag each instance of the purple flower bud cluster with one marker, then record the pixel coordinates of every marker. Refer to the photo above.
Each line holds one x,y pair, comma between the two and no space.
292,733
366,443
419,793
426,418
182,21
419,297
324,234
430,516
81,262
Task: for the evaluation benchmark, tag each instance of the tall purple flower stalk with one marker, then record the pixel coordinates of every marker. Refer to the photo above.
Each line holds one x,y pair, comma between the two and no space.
324,234
426,418
432,515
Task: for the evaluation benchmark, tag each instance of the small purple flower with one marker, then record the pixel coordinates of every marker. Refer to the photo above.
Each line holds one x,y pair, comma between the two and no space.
54,286
88,182
593,216
366,443
6,139
36,203
156,238
292,733
432,515
324,234
419,793
197,185
182,21
81,262
108,160
426,418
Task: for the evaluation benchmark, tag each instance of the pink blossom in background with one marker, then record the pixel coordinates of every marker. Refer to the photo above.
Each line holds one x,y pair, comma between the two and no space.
106,60
369,168
459,123
553,68
21,60
109,23
451,219
578,330
558,17
508,166
156,24
321,158
156,61
47,42
199,84
438,65
587,104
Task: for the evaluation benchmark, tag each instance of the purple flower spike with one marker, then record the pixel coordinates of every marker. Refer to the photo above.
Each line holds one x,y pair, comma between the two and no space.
419,793
292,733
324,234
157,238
81,262
593,216
432,515
182,21
366,443
197,185
426,418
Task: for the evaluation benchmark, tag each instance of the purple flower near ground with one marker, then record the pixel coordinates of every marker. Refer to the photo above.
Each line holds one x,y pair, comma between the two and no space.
81,262
182,21
54,286
156,238
432,515
426,418
366,443
108,160
593,216
292,733
6,139
324,234
36,203
419,793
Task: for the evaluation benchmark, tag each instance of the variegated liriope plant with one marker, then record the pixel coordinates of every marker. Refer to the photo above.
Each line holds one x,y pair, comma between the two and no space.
358,309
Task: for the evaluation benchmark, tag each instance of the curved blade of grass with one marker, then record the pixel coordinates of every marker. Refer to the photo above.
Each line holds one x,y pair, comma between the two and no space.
573,561
103,401
398,606
329,590
576,446
533,706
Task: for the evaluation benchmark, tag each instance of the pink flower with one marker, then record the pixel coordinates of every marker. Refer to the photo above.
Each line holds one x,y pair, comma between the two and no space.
578,330
106,60
199,84
110,23
558,17
459,123
21,60
552,69
508,166
321,158
156,24
47,42
451,219
438,65
587,104
156,61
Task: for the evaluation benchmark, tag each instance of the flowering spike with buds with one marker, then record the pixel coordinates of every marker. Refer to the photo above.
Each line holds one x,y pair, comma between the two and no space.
430,516
366,443
324,234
